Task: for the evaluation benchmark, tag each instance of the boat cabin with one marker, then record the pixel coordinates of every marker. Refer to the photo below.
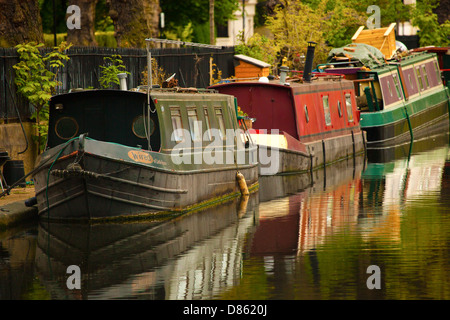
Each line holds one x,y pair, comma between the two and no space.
302,110
397,82
126,118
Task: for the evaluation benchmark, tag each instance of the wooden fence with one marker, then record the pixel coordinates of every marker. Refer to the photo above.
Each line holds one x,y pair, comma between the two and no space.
191,65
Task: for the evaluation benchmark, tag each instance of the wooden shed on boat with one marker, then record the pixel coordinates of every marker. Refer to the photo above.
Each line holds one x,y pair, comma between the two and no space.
381,38
247,67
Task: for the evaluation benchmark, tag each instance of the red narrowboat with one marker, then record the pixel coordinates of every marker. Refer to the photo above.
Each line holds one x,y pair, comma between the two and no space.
303,123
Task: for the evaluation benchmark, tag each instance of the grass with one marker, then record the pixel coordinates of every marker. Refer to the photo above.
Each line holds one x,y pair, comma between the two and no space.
103,38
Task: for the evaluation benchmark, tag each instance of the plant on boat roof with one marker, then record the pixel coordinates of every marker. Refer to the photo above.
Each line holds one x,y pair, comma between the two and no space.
36,80
241,113
113,66
158,74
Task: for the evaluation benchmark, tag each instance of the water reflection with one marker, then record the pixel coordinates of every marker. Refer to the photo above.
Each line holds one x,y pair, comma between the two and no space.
192,256
309,236
318,244
17,255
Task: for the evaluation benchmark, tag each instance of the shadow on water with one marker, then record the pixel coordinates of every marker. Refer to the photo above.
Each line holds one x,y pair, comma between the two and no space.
146,260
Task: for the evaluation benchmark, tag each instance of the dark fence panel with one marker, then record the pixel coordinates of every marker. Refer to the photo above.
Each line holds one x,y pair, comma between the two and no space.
191,65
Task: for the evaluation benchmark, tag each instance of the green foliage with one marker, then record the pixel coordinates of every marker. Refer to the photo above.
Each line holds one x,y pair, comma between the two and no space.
348,20
179,13
113,66
177,32
431,32
258,47
36,80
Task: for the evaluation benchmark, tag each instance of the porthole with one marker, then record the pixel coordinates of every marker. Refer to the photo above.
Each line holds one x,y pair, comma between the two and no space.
140,127
66,128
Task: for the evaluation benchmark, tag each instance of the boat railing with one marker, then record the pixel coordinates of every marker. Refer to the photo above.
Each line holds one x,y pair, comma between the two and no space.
316,76
144,88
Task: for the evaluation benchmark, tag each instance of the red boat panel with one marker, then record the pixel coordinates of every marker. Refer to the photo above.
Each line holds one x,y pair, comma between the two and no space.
304,111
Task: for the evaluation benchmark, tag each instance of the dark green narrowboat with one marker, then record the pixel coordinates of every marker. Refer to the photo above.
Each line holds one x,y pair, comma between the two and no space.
119,153
401,99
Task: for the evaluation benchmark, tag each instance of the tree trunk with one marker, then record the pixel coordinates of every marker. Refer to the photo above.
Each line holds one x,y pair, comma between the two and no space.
85,35
20,22
134,21
211,22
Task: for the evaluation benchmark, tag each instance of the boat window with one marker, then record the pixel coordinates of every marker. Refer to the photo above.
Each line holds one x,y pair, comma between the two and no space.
397,86
177,125
194,125
221,122
389,87
66,128
208,124
306,113
438,72
348,106
339,109
425,75
140,127
326,110
410,81
419,77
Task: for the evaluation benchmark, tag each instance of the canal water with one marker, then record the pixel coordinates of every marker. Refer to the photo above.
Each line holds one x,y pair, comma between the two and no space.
375,227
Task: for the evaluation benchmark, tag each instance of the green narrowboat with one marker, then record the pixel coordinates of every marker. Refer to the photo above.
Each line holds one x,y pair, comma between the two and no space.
125,153
401,99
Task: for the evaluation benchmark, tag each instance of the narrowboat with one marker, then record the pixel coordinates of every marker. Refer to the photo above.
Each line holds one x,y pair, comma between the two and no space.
401,96
300,123
134,153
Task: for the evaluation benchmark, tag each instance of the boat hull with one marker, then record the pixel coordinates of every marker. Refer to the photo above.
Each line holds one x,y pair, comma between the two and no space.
317,154
112,187
396,128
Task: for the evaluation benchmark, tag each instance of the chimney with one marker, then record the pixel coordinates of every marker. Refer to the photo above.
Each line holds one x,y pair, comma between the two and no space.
309,61
123,81
283,71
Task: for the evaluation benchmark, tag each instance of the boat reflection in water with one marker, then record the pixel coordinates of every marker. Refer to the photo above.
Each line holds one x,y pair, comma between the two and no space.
397,175
195,256
301,221
318,243
309,236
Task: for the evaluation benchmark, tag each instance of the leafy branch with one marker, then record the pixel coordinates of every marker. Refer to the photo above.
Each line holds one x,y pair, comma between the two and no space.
114,66
37,82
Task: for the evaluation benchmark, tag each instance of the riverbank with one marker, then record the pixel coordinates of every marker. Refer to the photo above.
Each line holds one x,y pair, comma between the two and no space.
13,210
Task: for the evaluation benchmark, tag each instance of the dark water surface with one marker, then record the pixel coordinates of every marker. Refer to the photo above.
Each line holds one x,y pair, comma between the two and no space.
300,237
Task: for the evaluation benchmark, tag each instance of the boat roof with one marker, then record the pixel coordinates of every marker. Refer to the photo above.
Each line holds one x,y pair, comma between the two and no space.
253,61
362,53
181,93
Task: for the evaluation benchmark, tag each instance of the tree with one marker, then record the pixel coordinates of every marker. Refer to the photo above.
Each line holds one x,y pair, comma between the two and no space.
196,12
19,22
431,32
109,73
134,20
36,79
295,23
85,35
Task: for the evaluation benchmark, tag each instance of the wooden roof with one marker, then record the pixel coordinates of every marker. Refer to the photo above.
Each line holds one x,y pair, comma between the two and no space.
251,60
